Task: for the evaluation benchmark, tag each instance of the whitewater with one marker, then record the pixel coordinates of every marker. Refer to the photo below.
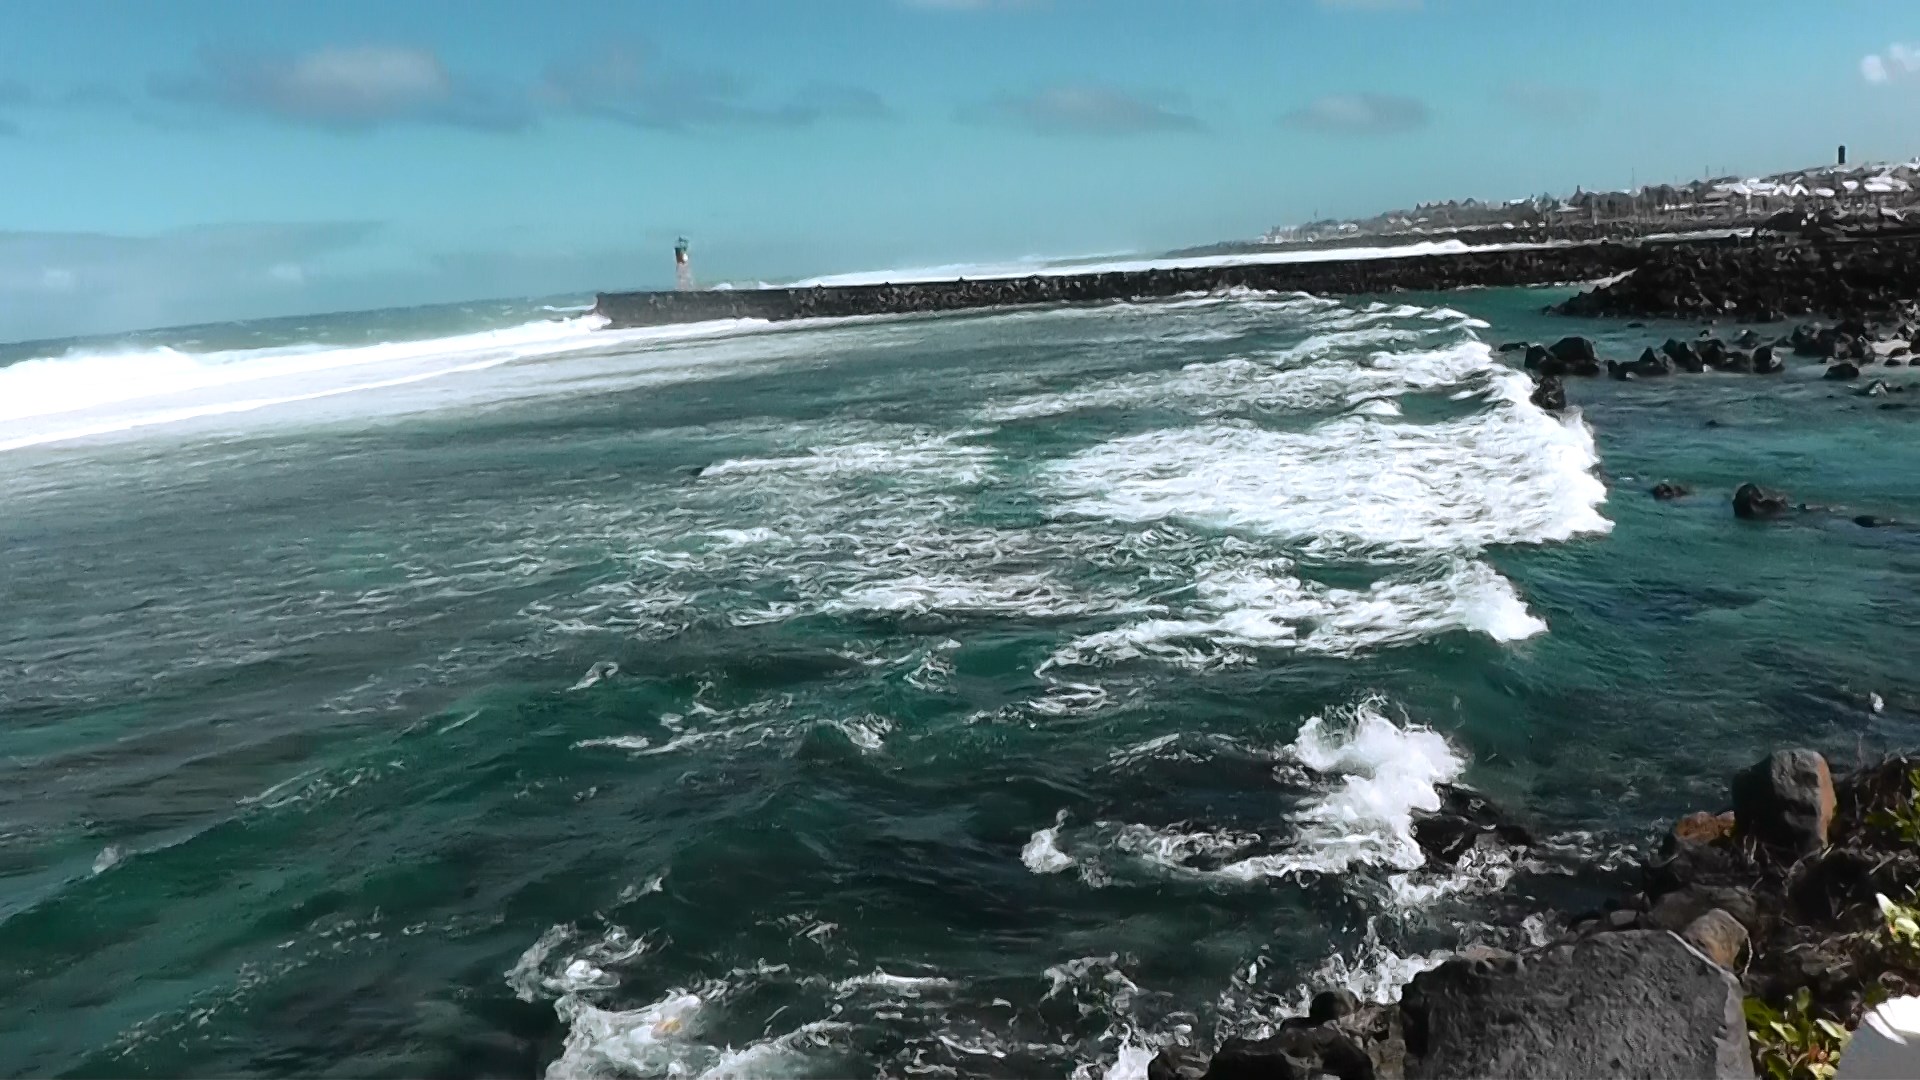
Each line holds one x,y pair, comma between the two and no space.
1002,694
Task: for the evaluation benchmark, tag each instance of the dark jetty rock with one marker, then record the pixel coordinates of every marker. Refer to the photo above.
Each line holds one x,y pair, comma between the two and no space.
1842,369
1752,502
1765,279
1469,269
1637,1003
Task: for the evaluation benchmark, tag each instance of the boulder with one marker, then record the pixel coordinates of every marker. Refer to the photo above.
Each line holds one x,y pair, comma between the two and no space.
1297,1051
1550,393
1747,339
1785,801
1678,909
1712,353
1513,346
1332,1005
1640,1003
1538,358
1765,362
1683,355
1697,849
1843,369
1667,489
1465,819
1719,937
1575,351
1703,828
1753,502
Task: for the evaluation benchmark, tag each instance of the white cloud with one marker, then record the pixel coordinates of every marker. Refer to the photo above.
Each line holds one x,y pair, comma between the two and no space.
1896,61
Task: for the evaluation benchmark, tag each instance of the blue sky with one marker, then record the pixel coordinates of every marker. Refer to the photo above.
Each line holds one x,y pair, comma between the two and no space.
203,159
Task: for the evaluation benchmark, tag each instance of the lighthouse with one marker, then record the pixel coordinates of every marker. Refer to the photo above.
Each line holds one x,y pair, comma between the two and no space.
682,268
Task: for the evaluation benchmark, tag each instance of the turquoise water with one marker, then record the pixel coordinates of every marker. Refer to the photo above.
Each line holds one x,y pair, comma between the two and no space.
998,694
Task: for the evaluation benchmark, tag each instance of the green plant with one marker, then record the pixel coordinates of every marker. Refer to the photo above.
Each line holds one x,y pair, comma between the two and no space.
1903,921
1793,1044
1903,819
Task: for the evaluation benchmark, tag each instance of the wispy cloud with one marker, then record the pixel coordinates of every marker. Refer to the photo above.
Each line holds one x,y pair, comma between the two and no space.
1548,102
1085,109
624,83
1359,114
344,87
62,282
1895,62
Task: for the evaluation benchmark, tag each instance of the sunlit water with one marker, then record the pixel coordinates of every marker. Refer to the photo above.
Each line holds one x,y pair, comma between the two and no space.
994,694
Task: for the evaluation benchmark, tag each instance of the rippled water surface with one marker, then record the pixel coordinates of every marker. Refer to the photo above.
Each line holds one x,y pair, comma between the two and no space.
995,694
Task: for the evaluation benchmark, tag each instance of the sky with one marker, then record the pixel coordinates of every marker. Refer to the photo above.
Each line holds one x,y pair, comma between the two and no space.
194,160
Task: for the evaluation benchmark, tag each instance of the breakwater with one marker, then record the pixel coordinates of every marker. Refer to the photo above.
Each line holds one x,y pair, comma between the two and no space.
1501,267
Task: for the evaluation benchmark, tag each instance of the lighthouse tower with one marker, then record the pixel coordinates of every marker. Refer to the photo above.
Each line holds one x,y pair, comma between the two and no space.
682,268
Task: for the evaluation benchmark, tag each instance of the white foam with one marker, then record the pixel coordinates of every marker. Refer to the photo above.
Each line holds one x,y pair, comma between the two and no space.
1373,972
1042,854
599,672
654,1040
1263,605
1384,772
1356,485
86,394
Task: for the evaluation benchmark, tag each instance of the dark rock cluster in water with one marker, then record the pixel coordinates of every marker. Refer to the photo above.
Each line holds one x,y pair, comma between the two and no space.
1775,894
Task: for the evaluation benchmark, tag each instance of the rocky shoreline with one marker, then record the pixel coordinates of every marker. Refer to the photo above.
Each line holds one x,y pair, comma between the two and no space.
1770,897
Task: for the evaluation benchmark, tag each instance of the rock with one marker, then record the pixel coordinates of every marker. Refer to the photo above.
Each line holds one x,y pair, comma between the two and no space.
1678,909
1620,919
1712,353
1681,354
1697,849
1513,346
1265,1059
1332,1005
1575,351
1765,362
1876,388
1703,828
1786,801
1747,339
1752,502
1844,369
1718,936
1638,1003
1894,361
1550,393
1667,489
1465,818
1868,521
1297,1051
1538,358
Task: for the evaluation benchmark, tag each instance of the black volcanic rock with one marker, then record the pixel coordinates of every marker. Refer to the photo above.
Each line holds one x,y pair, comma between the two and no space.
1550,394
1753,502
1638,1003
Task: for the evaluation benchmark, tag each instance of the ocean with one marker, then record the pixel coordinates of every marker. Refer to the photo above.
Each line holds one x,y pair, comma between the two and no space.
471,691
